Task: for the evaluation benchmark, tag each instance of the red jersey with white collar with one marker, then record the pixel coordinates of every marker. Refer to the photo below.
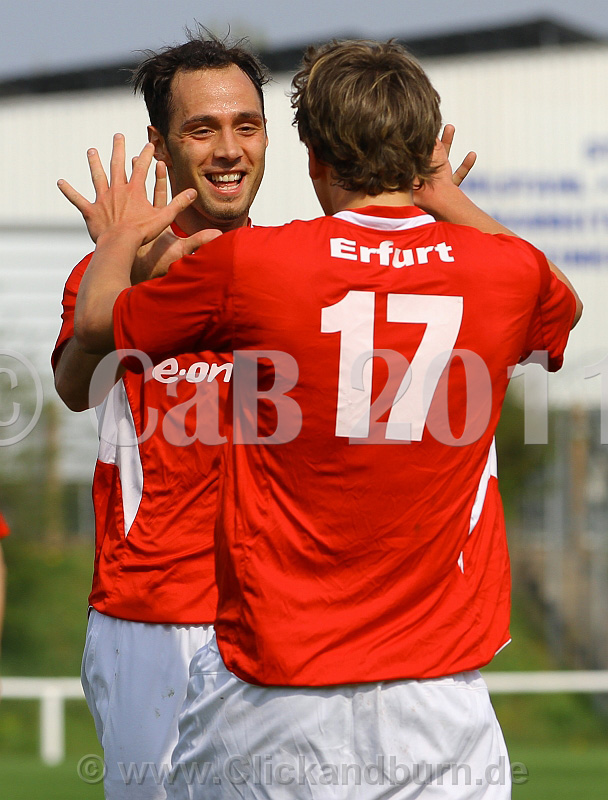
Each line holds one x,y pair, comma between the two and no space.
155,484
363,539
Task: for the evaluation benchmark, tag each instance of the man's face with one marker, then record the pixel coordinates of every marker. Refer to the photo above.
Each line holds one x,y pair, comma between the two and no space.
216,145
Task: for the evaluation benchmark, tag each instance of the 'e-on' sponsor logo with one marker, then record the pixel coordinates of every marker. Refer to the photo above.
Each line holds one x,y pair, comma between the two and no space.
169,371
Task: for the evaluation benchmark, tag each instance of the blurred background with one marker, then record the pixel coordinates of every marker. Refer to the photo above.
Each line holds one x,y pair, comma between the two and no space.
525,85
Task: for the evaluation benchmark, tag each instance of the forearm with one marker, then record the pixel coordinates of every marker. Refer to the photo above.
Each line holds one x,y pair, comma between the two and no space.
108,274
73,376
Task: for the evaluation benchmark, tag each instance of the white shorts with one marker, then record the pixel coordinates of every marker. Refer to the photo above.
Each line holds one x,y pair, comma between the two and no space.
395,739
135,676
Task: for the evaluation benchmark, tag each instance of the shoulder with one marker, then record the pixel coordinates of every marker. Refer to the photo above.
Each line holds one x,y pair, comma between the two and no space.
272,235
498,249
292,228
499,242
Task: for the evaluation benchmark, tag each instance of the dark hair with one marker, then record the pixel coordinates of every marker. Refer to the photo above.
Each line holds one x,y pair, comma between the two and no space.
203,50
368,110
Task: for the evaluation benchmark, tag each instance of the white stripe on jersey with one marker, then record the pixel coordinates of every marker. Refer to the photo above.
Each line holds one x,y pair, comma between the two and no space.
118,445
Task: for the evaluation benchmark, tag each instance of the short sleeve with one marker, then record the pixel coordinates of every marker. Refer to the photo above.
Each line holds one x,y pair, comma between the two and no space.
187,310
70,293
552,318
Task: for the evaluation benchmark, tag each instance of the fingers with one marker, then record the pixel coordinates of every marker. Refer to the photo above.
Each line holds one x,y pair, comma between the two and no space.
192,243
160,185
464,169
75,198
141,164
98,173
117,162
182,201
447,137
166,215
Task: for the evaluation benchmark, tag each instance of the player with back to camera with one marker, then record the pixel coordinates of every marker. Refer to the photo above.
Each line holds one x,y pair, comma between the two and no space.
361,559
154,598
4,531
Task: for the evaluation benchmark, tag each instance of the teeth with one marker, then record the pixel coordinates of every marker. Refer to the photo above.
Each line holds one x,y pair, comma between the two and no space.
227,177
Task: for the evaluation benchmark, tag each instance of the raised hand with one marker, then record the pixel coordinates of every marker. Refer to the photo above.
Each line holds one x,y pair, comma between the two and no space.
154,259
122,203
432,195
447,137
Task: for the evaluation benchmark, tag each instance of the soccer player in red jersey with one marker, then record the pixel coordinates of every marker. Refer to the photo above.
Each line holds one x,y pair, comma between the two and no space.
361,555
4,531
155,487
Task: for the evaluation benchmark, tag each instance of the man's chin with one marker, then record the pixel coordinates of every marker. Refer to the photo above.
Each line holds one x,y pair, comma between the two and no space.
224,212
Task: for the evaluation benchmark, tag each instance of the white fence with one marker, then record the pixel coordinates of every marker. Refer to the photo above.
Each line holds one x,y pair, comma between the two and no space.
53,692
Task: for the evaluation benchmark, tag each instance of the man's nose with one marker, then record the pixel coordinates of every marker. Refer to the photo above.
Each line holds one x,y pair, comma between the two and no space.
228,146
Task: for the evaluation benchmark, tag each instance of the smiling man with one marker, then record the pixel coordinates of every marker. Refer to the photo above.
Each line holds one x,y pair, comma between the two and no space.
155,487
212,138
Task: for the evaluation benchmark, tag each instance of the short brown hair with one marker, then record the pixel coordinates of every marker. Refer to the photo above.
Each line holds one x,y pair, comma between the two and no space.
368,110
154,76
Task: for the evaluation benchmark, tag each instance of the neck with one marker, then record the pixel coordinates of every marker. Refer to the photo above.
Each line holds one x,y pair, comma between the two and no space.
334,198
359,200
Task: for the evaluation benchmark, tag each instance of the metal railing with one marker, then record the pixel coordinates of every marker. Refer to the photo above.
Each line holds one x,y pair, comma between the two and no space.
53,692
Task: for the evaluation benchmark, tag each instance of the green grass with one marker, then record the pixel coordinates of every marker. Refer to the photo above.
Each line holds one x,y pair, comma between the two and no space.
548,719
561,773
555,773
25,778
46,607
22,774
20,723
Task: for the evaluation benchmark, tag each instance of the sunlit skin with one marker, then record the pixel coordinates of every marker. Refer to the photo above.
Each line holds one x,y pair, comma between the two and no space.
216,127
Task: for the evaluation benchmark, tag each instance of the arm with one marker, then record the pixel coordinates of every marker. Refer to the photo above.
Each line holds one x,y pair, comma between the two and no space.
73,367
73,375
123,220
443,198
107,277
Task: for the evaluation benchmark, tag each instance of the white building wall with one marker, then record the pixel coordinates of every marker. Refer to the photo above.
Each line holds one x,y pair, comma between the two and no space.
538,120
49,136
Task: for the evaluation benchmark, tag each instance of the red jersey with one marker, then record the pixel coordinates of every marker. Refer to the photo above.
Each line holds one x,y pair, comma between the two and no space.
4,529
155,485
364,540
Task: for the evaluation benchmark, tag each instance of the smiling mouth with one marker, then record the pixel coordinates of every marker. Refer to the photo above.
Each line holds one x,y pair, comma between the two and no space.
224,181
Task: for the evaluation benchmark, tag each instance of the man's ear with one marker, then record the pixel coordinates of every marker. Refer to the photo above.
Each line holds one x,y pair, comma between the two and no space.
161,152
316,168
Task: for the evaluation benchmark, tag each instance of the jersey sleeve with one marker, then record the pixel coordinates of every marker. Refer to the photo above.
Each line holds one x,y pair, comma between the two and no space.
187,310
69,304
4,529
553,315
